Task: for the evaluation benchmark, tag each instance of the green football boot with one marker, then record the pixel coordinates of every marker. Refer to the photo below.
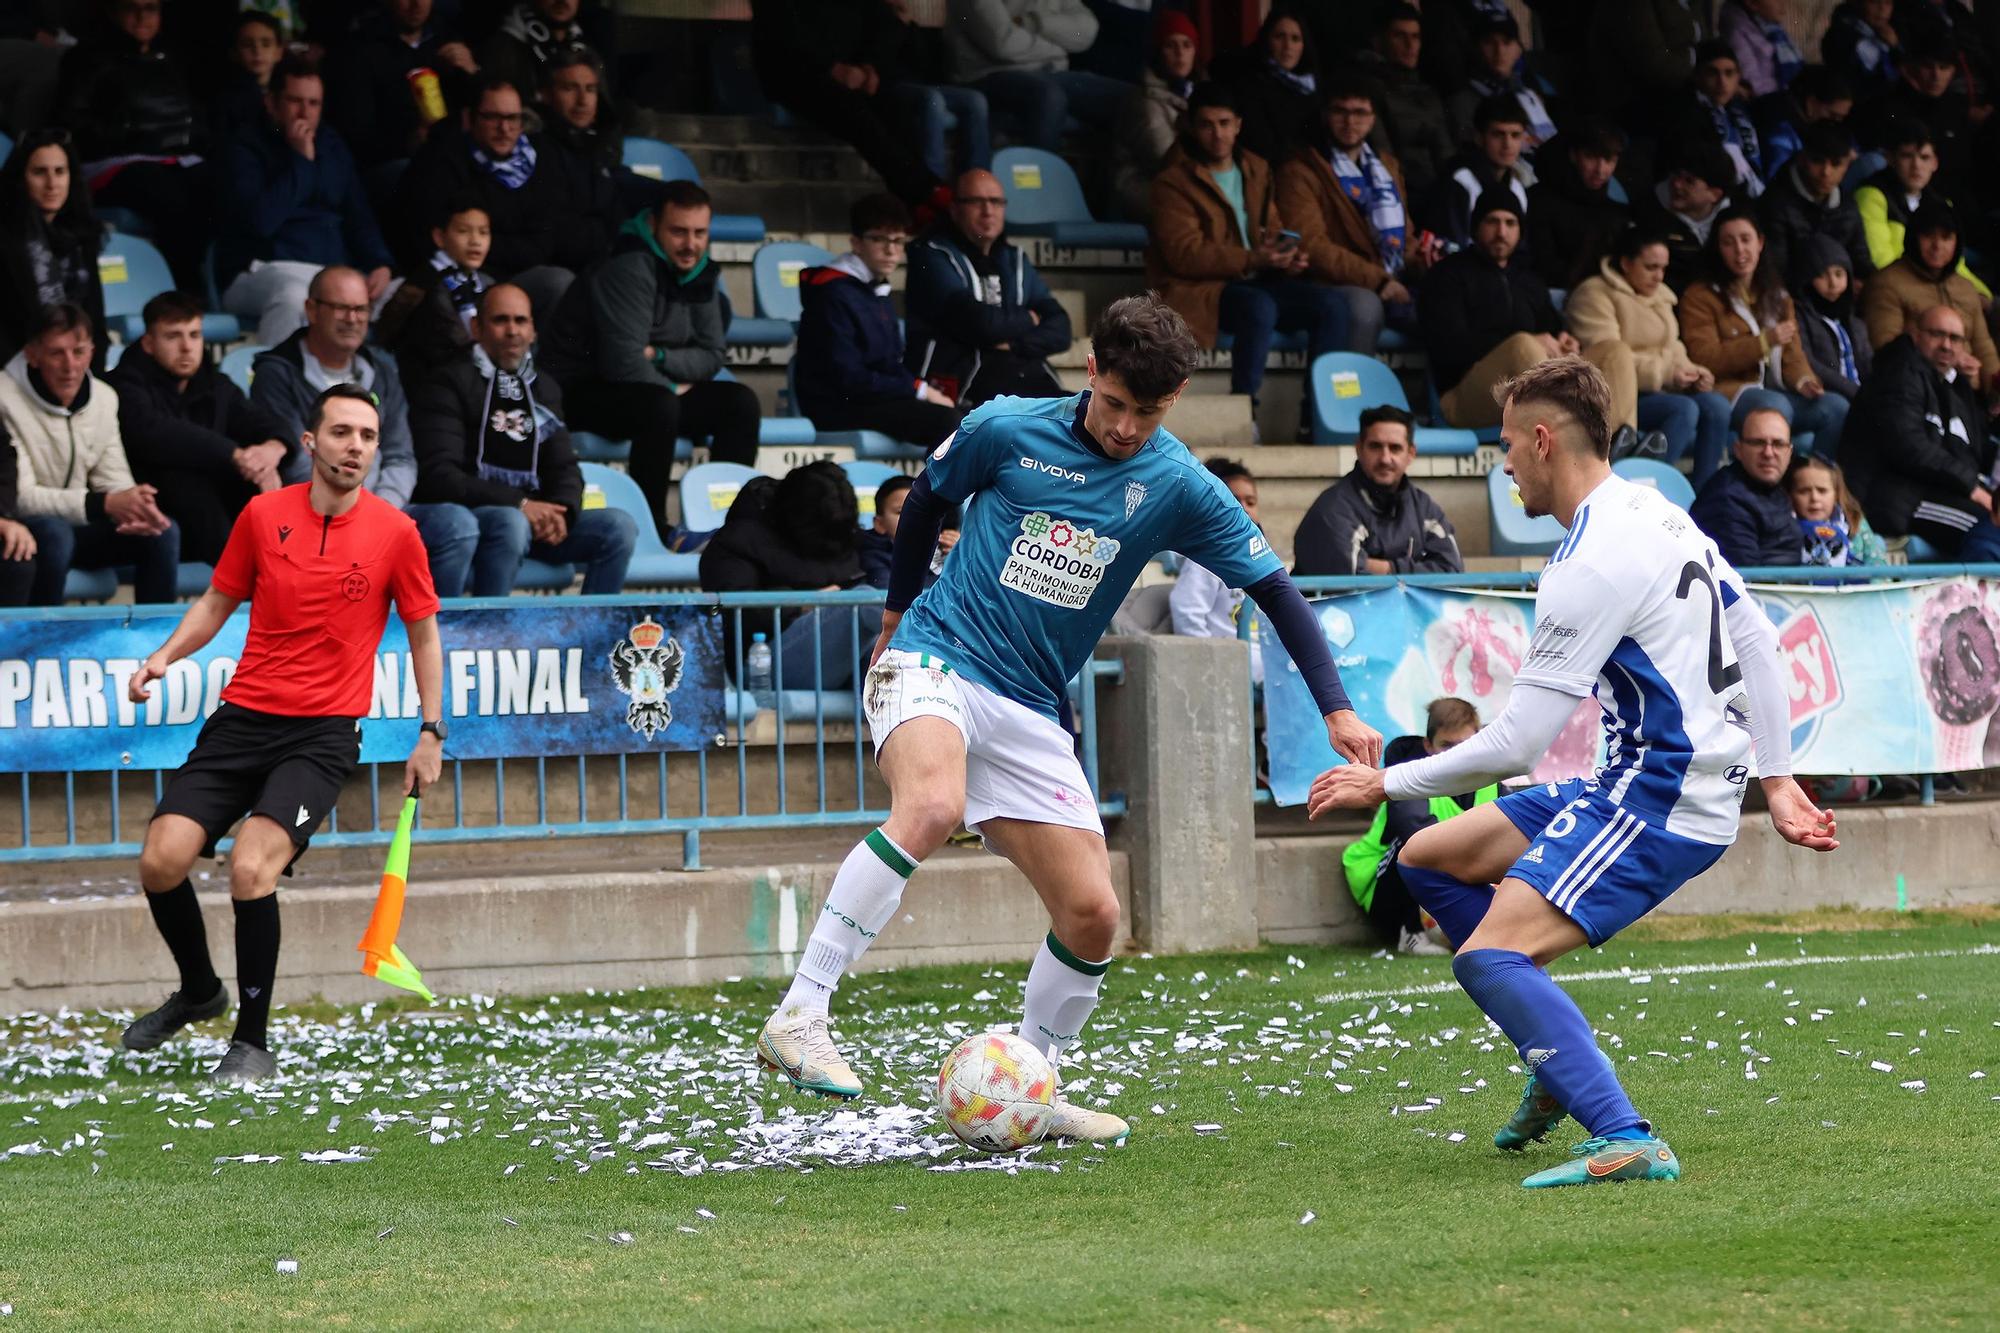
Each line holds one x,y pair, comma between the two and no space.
1538,1113
1597,1160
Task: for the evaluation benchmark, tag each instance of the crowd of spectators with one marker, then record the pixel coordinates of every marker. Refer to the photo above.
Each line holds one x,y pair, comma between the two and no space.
1745,225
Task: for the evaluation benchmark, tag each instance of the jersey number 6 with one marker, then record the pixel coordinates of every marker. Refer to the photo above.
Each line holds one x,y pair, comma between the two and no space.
1721,675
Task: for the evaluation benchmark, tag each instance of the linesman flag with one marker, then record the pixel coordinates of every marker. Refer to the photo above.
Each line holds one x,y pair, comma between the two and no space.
381,959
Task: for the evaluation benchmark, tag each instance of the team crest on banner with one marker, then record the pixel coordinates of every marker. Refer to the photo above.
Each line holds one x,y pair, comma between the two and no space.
646,665
1135,495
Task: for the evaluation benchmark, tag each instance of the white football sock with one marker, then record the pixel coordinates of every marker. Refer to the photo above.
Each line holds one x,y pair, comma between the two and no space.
866,891
1062,992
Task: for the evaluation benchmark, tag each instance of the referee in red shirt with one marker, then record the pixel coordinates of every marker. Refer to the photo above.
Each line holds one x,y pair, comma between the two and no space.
319,564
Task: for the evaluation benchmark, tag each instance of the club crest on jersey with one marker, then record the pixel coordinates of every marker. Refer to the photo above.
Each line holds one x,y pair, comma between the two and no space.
647,666
1135,495
1055,561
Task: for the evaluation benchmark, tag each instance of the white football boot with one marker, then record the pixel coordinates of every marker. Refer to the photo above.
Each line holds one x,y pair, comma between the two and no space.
799,1044
1070,1121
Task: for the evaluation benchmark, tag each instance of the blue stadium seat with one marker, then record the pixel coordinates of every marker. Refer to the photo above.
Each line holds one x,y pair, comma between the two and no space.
653,565
1514,533
1345,384
1390,340
6,145
866,444
865,476
707,491
90,585
1920,552
122,220
664,162
774,277
1662,477
753,330
236,364
1044,199
113,355
540,576
593,448
193,578
1434,409
133,272
795,705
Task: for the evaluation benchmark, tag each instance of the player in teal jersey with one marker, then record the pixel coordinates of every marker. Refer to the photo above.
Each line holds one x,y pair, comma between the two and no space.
1068,498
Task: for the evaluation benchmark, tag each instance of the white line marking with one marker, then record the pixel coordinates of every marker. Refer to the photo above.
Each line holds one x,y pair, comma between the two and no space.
1683,970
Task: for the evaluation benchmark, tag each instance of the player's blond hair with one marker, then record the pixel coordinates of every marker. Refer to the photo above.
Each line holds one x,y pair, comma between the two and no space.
1568,385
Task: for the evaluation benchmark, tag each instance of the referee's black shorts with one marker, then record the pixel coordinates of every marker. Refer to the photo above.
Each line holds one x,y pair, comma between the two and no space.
288,769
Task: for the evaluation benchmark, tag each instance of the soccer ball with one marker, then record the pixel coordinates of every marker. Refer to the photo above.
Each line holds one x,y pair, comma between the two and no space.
996,1092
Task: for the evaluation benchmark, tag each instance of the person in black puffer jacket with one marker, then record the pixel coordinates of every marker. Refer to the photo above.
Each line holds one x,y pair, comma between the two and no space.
797,534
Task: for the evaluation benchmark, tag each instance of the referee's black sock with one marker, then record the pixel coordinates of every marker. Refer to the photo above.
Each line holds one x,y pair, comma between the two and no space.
256,966
177,913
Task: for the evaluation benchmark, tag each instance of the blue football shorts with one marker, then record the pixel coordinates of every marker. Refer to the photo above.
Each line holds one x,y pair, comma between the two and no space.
1601,864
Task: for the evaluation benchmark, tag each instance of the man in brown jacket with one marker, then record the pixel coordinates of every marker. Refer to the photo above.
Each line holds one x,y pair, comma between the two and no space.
1925,277
1351,210
1221,255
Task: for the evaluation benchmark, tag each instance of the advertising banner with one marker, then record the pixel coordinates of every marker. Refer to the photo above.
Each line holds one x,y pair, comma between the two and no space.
1883,678
544,677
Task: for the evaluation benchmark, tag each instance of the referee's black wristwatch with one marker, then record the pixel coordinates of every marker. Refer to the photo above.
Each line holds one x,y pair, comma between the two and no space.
438,729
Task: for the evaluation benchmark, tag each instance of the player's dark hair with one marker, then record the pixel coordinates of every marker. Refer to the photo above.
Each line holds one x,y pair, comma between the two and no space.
60,317
877,212
1570,385
681,194
892,488
1825,141
1392,414
316,414
170,308
1449,713
1499,109
1227,470
292,66
1144,342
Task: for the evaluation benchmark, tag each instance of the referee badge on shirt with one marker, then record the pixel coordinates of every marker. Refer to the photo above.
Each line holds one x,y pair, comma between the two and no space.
646,665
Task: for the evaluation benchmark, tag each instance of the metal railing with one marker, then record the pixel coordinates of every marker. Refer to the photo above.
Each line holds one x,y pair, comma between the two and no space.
804,763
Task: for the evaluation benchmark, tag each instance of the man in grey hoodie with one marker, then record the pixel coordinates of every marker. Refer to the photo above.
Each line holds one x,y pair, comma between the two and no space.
332,349
636,344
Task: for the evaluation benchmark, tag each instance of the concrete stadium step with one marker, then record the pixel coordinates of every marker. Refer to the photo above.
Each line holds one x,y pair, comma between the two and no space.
685,130
789,206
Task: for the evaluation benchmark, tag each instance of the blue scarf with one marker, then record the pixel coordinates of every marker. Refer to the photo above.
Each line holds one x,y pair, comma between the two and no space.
1304,84
1847,366
1825,540
1783,54
1370,188
1734,130
461,285
512,172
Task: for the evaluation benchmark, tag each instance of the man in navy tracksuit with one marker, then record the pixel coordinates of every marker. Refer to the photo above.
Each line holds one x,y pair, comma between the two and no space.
849,372
982,321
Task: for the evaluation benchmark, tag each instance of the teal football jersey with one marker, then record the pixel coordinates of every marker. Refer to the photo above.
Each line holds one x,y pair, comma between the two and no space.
1054,535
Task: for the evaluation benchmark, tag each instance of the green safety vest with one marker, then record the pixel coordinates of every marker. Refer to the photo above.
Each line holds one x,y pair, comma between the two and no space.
1363,857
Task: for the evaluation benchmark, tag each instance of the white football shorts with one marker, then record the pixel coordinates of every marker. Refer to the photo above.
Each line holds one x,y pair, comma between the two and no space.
1018,764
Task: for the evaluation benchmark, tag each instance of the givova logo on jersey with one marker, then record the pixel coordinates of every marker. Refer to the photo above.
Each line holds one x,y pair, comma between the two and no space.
1055,561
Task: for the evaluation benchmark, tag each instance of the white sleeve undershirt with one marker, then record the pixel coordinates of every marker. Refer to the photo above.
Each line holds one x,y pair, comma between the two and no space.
1510,744
1756,645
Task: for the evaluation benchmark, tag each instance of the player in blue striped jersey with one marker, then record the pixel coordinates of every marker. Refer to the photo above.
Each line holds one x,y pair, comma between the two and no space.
1638,608
1067,499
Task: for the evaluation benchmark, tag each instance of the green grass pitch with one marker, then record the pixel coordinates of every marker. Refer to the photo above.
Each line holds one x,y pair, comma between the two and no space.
1311,1148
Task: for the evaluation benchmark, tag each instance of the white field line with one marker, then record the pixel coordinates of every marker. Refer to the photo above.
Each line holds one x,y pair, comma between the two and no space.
1682,970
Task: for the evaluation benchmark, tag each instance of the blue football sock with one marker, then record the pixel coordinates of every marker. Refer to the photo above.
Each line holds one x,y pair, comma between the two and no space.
1459,907
1553,1037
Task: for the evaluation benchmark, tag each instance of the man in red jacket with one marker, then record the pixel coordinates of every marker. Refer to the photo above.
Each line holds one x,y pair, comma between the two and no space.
319,563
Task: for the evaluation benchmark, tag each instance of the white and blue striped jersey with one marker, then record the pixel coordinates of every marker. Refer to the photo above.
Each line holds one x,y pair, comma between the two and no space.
1631,609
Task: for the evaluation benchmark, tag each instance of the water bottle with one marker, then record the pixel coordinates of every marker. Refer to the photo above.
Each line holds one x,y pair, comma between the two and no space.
757,672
